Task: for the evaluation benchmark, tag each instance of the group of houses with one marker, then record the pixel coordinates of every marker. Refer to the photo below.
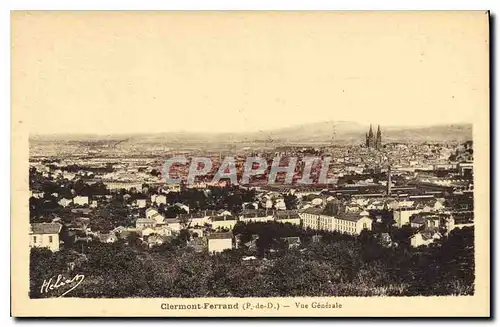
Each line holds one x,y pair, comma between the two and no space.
211,230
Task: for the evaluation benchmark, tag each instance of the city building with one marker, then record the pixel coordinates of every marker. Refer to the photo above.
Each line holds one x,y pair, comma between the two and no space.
349,223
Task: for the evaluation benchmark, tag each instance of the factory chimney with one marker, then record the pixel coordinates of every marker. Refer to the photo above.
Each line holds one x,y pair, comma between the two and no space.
389,180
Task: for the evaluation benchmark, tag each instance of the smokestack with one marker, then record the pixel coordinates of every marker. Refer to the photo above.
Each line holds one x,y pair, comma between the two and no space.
389,181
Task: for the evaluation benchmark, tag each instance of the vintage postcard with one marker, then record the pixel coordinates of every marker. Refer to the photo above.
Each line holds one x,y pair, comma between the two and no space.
269,164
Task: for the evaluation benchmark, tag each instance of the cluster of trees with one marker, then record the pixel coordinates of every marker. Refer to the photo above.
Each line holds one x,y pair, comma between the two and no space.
230,198
53,190
65,188
117,210
462,154
337,265
210,198
74,168
111,215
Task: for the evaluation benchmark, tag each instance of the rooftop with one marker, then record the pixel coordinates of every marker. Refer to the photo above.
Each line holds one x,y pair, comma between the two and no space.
316,211
145,220
46,228
220,236
222,218
351,216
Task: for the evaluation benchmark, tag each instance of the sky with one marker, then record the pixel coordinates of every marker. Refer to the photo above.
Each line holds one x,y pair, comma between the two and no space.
118,72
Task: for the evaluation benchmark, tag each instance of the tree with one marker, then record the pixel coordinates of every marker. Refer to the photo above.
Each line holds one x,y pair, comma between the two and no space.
134,240
44,265
184,236
155,173
291,202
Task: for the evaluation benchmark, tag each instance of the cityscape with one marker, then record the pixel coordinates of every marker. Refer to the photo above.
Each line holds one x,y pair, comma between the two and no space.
395,216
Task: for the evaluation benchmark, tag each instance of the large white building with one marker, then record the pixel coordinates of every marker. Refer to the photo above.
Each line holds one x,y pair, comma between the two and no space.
311,218
349,223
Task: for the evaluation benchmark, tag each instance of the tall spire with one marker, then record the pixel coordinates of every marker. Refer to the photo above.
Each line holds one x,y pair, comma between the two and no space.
370,139
378,142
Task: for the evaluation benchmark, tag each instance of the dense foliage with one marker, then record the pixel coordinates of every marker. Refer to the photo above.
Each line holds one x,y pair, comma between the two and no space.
336,265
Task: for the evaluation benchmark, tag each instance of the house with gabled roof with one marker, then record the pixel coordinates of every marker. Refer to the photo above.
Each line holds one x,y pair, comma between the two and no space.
45,235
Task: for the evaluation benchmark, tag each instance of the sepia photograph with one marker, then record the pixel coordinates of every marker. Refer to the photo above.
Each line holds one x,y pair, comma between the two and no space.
242,163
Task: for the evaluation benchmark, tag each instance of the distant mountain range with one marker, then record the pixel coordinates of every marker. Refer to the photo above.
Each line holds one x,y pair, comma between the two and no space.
337,132
343,132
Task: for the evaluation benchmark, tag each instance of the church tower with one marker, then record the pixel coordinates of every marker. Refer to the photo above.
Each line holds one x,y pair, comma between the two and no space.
371,138
372,141
378,142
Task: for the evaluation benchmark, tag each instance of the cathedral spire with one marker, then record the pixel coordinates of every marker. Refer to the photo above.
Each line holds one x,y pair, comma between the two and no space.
372,141
378,141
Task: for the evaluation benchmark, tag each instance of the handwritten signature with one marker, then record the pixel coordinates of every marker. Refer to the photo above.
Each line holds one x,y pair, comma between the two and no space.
61,281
